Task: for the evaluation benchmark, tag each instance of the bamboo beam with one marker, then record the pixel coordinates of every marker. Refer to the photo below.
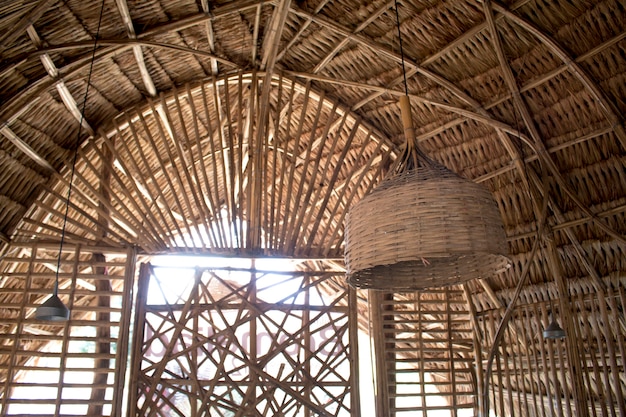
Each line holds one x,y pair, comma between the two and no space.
609,110
192,176
272,38
538,143
67,98
152,141
309,210
292,169
138,184
345,197
301,200
270,50
224,161
148,83
212,193
26,21
535,157
26,149
303,28
210,35
330,55
229,147
182,182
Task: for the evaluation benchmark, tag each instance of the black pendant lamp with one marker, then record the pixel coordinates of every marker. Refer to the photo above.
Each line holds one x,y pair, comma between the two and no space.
553,331
53,308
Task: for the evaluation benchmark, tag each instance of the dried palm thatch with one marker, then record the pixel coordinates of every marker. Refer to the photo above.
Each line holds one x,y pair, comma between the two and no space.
252,127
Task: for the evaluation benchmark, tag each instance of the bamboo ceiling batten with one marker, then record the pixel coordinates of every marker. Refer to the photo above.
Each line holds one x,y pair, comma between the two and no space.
423,226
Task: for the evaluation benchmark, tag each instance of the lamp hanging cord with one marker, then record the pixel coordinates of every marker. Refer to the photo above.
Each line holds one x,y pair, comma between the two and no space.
77,144
406,88
411,154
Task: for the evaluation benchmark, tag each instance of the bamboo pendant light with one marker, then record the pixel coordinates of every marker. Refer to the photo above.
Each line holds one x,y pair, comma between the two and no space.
423,226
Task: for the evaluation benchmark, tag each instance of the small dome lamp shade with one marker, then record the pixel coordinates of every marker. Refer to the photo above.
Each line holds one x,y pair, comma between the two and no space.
553,331
53,308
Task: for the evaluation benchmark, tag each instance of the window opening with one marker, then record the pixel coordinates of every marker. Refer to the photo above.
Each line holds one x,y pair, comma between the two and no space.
224,340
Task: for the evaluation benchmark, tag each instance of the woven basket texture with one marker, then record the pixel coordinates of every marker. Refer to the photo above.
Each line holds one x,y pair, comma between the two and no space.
425,227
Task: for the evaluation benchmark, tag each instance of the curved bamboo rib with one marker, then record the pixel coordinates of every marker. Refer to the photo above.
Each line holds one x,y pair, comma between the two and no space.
183,172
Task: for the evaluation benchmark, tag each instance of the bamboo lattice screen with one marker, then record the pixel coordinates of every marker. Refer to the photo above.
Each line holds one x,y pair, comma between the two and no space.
241,342
65,368
425,353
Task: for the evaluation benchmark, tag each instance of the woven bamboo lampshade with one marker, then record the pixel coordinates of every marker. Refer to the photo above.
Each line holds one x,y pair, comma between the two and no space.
423,226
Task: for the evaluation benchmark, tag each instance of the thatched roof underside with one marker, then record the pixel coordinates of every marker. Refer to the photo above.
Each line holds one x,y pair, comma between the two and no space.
250,127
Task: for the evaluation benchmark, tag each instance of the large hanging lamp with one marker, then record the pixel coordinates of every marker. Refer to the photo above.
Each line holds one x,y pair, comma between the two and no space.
423,226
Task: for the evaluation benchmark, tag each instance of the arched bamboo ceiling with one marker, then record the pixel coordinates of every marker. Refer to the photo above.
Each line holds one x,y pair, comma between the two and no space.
192,171
268,119
524,97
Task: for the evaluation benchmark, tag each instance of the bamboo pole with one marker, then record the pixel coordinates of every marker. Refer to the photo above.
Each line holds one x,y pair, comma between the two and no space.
138,337
173,178
158,225
301,205
102,365
292,169
219,160
188,164
122,352
574,361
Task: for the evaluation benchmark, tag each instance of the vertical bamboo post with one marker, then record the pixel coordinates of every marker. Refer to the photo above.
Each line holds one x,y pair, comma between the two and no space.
103,334
355,377
254,347
124,332
380,367
477,342
193,366
306,323
574,361
103,288
138,336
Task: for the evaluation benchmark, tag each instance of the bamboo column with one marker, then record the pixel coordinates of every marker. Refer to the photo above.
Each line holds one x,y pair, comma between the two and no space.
138,336
355,406
383,404
103,333
574,361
